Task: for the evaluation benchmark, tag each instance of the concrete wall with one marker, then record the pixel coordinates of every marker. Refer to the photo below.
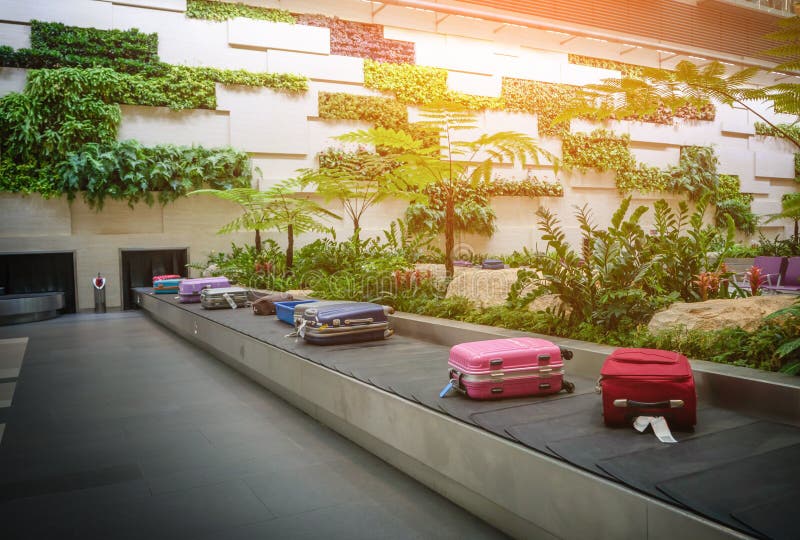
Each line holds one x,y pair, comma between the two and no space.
283,132
35,224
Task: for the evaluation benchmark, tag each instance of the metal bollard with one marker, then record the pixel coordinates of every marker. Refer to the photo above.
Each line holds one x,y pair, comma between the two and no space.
99,284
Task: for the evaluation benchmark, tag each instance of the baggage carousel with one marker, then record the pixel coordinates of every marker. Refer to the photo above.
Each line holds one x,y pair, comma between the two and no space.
30,307
534,467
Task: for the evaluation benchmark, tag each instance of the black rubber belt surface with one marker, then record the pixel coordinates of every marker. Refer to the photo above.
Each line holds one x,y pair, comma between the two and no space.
746,486
776,518
605,443
643,470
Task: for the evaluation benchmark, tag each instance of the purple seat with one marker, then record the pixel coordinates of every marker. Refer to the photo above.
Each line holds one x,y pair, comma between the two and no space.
772,268
771,272
790,279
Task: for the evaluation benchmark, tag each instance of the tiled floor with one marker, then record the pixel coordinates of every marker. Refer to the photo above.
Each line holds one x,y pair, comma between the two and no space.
120,429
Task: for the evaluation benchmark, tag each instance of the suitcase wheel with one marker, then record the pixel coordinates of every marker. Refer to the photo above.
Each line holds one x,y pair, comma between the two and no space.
568,387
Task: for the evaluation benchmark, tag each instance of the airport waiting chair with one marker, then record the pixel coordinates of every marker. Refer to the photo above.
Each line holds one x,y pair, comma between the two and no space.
790,278
772,269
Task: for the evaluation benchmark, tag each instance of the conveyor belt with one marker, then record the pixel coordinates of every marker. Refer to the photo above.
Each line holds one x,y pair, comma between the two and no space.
725,448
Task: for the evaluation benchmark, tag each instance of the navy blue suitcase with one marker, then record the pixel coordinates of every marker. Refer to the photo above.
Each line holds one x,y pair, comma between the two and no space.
345,323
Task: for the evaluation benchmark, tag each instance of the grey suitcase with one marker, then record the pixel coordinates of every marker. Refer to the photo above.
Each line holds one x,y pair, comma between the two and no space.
224,298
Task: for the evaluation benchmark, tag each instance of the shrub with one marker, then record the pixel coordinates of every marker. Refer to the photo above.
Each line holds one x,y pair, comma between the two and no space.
128,171
362,40
55,45
213,10
421,85
545,100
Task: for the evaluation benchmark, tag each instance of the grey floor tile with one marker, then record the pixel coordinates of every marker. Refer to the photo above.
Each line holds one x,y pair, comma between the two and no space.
350,521
187,514
303,489
225,465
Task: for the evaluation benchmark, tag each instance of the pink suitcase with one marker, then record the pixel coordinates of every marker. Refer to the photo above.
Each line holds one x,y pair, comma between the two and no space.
189,289
505,368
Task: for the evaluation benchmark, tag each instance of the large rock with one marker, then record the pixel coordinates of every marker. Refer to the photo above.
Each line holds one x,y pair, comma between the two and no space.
438,271
484,287
550,302
746,313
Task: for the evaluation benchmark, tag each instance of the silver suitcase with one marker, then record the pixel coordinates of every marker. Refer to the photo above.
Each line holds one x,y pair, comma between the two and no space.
224,298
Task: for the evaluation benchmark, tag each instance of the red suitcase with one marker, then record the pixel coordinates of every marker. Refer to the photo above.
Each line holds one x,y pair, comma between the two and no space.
165,277
505,368
648,382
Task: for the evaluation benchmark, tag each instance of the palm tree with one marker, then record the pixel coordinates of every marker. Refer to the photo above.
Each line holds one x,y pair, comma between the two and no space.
640,94
358,180
282,207
251,201
294,212
450,164
790,209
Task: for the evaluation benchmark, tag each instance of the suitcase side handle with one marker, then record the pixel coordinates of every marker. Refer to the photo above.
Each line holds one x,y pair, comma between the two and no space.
368,320
666,404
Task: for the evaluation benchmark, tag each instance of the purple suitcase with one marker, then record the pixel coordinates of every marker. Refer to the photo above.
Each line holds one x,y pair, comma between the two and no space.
189,289
504,368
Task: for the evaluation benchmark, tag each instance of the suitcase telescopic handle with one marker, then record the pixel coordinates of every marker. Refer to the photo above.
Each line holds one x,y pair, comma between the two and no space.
666,404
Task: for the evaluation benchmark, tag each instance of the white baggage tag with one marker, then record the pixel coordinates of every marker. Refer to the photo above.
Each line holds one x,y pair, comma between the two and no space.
640,423
661,429
230,300
659,425
301,330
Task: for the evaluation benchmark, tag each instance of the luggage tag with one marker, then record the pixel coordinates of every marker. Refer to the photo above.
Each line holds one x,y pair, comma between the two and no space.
230,300
446,389
659,425
301,330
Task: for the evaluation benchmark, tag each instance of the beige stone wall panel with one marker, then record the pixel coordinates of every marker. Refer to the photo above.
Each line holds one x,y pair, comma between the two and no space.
774,164
256,34
656,155
167,5
191,42
404,19
276,168
86,13
471,83
734,121
199,215
33,216
17,36
116,217
12,80
160,125
266,121
341,69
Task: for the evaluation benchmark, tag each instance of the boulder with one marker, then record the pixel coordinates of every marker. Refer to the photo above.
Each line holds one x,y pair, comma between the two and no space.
549,301
484,287
300,294
746,313
437,270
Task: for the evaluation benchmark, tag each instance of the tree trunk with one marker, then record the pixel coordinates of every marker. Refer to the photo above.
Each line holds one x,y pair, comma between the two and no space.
449,233
289,246
357,234
797,231
258,240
